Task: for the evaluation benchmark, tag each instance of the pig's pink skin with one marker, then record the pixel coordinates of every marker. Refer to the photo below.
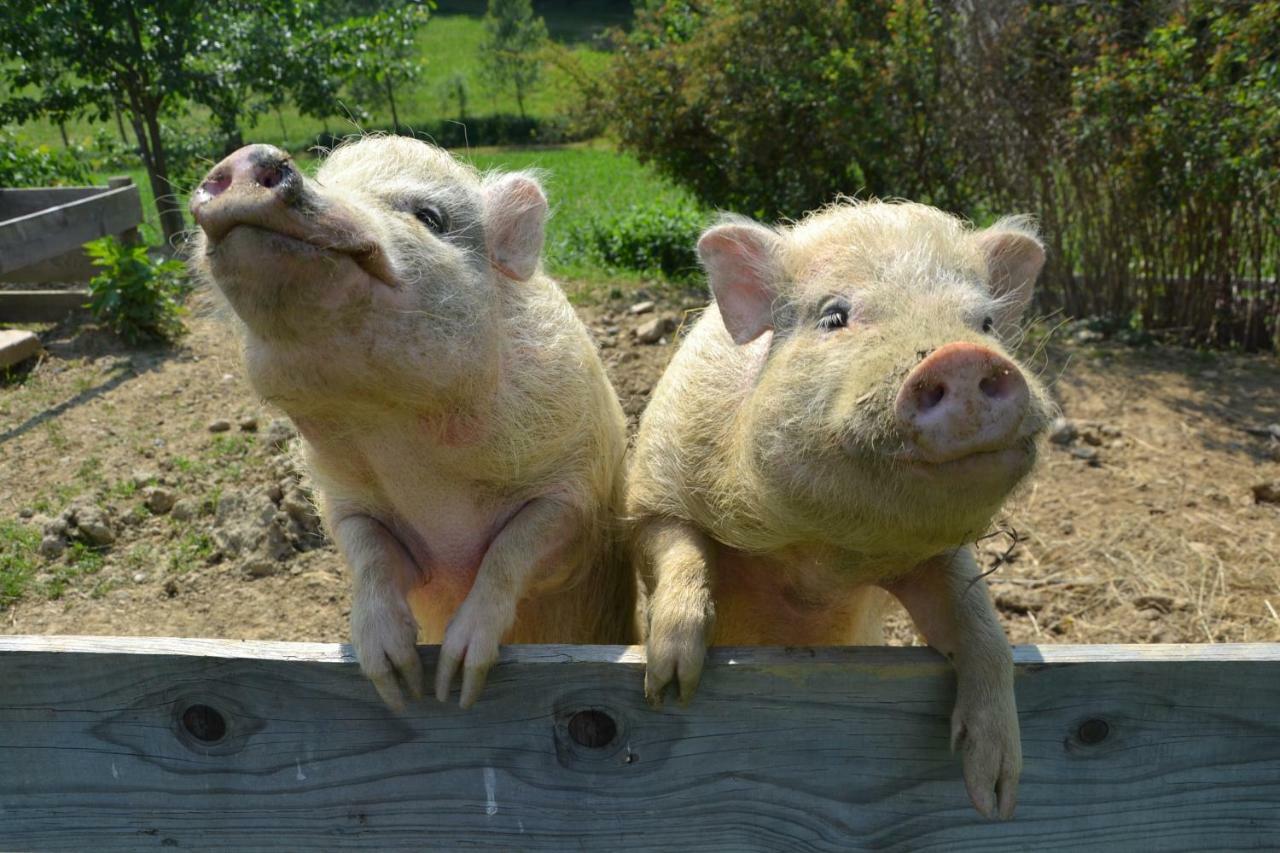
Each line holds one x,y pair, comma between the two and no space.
457,423
963,399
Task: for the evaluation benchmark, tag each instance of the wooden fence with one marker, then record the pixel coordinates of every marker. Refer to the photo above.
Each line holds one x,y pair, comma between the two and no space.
41,234
111,743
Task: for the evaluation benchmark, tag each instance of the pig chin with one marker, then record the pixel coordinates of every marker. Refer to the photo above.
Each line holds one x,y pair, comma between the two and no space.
263,272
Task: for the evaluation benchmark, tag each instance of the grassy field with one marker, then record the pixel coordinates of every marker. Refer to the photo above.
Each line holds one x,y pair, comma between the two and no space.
586,184
449,44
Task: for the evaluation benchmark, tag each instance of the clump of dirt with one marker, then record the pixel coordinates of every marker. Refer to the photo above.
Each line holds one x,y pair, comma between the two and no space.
147,492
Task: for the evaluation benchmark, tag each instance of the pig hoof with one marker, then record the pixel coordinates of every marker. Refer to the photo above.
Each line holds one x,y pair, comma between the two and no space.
991,750
470,642
385,637
674,653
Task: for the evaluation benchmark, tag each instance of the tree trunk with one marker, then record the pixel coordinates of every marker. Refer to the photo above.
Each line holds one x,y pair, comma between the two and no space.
124,137
172,222
62,128
520,100
391,99
284,131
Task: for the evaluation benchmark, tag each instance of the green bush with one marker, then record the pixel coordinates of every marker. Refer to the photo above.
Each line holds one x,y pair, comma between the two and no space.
774,107
140,299
1140,134
656,240
41,166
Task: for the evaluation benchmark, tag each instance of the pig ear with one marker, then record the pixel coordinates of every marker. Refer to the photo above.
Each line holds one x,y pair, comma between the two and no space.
1014,259
515,224
742,269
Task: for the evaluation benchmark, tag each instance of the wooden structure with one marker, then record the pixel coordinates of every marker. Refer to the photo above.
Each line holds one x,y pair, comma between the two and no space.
41,235
110,743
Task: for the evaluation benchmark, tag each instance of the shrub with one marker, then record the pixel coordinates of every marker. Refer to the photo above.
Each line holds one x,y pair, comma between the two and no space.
140,299
1140,134
41,166
649,240
773,107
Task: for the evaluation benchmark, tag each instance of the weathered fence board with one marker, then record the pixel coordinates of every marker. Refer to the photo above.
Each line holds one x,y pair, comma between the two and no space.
40,235
1126,748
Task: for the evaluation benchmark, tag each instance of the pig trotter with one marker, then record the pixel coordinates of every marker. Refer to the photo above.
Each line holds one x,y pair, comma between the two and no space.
984,730
675,650
384,633
681,607
955,615
471,641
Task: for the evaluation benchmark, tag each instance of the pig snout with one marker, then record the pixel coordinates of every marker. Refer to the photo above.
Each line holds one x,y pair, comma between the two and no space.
962,399
247,187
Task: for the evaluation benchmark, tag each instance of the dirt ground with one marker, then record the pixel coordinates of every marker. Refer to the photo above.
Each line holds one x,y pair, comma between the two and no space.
1142,528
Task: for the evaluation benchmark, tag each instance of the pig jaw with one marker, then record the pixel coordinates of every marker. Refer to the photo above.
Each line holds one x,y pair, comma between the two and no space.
834,454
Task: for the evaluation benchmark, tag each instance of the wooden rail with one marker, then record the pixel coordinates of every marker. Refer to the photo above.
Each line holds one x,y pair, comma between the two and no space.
111,743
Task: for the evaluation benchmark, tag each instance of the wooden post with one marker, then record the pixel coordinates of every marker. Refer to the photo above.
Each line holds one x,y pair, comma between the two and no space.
130,236
115,743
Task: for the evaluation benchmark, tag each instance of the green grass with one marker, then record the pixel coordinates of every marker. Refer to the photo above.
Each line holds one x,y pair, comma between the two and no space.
18,543
192,550
82,561
585,185
449,44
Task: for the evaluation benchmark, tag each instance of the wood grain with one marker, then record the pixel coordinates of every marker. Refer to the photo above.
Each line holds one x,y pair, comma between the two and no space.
37,236
1127,748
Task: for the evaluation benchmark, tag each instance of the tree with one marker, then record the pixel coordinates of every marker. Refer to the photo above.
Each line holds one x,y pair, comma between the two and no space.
150,59
510,51
383,52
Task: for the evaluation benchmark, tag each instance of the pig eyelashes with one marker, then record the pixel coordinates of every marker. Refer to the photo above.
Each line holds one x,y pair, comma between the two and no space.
430,217
835,315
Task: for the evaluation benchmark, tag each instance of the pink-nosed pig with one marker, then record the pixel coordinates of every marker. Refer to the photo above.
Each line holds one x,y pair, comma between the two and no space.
843,422
465,443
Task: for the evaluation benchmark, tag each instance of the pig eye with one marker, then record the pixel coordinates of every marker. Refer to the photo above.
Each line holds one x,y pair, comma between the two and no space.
987,324
430,217
835,315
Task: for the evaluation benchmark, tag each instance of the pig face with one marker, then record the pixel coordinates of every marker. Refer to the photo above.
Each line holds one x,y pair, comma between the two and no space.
884,403
393,262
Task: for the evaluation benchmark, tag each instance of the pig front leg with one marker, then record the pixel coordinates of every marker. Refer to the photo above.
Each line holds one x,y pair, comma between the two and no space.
382,625
523,555
950,606
680,561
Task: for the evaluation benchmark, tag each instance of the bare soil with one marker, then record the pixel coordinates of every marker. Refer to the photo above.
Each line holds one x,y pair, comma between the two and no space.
1143,528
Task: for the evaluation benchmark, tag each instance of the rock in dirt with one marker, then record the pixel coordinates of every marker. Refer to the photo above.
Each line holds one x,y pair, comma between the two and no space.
278,433
642,307
260,567
1063,432
1266,493
183,510
249,423
220,425
52,546
652,331
17,345
92,524
159,500
1086,454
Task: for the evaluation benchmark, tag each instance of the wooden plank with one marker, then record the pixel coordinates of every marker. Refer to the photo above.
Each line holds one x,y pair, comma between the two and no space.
24,200
16,346
39,306
72,265
1126,748
47,233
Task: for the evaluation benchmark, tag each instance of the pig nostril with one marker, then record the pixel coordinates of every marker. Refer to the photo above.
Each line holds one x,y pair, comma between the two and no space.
271,176
997,385
930,396
216,185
